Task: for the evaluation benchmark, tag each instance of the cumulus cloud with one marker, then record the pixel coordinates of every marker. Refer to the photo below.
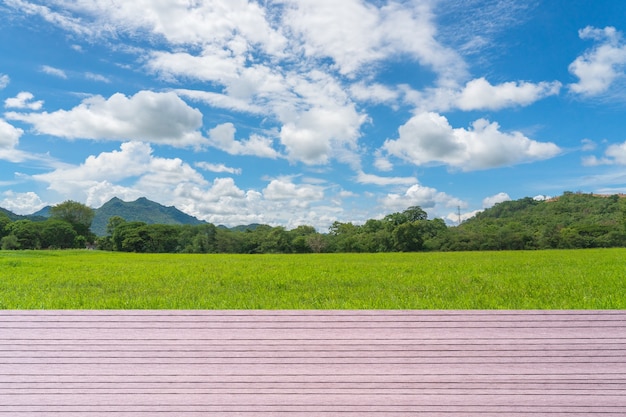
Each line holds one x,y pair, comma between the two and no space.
601,66
495,199
281,202
430,199
21,203
134,163
480,94
147,116
223,137
134,171
23,100
312,135
293,83
428,138
9,139
280,189
375,93
9,135
614,154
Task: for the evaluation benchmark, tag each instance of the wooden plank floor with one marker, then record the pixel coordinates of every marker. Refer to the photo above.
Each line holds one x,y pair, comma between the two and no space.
313,363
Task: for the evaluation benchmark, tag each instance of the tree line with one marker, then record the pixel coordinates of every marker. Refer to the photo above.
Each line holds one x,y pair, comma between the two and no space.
573,220
67,227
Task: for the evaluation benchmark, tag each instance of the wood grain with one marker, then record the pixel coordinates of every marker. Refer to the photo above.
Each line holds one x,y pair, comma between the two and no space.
312,363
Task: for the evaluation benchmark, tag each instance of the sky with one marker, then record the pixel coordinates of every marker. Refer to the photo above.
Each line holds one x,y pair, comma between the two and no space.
307,112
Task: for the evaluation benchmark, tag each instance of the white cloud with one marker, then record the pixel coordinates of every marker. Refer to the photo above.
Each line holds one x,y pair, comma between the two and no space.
495,199
354,34
23,100
383,164
54,71
281,189
480,94
282,202
588,145
222,101
4,81
428,138
375,93
9,135
161,118
313,135
62,20
21,203
102,191
614,155
363,178
601,66
223,137
207,166
134,163
97,77
134,171
453,217
9,139
433,201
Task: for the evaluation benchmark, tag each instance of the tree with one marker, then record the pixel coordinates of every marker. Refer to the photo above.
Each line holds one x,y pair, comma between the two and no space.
9,242
5,221
58,234
78,215
415,213
407,237
28,234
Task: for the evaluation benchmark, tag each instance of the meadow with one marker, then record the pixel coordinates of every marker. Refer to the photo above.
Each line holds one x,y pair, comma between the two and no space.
555,279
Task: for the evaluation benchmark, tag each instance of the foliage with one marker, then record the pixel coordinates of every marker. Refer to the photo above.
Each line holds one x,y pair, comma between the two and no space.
556,279
76,214
571,221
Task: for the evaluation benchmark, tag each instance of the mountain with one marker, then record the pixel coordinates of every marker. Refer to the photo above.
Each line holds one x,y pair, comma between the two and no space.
142,210
44,212
572,220
36,217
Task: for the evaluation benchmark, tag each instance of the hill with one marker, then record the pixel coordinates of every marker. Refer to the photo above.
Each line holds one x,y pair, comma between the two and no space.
573,220
36,217
142,210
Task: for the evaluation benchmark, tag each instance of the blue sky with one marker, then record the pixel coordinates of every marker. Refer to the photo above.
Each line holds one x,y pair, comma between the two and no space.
290,112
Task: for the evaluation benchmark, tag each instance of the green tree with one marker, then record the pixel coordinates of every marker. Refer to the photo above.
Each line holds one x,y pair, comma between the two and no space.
407,237
127,237
78,215
27,233
5,221
9,242
57,234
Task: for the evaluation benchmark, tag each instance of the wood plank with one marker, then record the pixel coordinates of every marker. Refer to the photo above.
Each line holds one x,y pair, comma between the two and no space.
313,363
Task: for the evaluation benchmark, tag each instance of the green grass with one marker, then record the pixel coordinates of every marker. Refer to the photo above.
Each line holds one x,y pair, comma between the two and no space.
575,279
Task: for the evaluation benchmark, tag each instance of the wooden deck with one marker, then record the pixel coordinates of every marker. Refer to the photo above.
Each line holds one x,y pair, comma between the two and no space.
313,363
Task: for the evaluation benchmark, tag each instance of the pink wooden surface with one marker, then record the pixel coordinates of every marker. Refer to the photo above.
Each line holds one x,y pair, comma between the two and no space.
312,363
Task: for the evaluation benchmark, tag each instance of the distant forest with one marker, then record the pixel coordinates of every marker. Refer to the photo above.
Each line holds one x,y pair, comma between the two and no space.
572,220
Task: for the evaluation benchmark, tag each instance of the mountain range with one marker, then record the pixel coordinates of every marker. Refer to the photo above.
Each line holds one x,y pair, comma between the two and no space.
142,210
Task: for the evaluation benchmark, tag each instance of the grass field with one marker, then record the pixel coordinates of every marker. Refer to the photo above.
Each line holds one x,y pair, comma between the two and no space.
575,279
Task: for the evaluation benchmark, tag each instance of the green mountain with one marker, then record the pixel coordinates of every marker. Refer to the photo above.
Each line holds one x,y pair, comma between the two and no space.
142,210
573,220
36,217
